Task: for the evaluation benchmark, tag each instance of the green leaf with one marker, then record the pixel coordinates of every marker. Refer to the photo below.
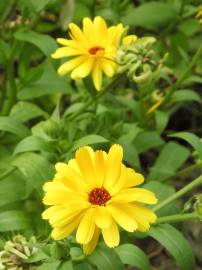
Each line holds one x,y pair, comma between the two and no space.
66,266
130,153
24,111
134,256
171,157
49,266
35,168
105,258
161,119
12,188
147,140
44,42
163,191
48,83
176,245
38,5
185,95
32,143
14,220
89,140
146,15
11,125
192,139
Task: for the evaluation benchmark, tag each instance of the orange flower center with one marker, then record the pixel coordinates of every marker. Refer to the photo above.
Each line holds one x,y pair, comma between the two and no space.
96,50
99,196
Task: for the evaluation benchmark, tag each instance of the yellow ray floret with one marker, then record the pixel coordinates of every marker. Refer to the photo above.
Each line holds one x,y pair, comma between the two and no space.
92,50
94,194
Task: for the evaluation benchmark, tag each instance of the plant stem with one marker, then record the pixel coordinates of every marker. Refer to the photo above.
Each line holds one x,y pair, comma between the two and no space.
177,218
111,85
190,186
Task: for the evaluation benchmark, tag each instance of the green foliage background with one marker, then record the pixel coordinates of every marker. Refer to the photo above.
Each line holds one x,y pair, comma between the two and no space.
45,118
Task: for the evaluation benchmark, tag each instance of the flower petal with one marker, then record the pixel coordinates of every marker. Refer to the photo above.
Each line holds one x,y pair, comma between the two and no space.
111,235
121,217
83,70
85,163
113,170
86,227
109,67
71,64
133,178
135,195
78,35
65,52
102,217
88,248
97,75
100,166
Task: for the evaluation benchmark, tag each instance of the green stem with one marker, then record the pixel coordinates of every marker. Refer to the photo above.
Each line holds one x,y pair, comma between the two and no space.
184,75
178,194
110,86
177,218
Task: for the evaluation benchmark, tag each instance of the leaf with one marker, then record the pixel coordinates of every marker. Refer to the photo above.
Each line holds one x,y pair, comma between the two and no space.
192,139
162,192
134,256
176,245
32,143
89,140
44,42
35,168
38,5
14,220
105,258
11,125
185,95
66,266
130,153
151,15
12,188
24,111
171,157
49,265
147,140
161,119
48,83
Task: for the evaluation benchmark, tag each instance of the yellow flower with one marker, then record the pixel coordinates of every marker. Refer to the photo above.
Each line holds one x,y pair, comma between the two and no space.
199,14
128,40
96,192
93,50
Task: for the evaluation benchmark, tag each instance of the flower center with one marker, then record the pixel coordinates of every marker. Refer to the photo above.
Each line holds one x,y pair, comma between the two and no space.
96,50
99,196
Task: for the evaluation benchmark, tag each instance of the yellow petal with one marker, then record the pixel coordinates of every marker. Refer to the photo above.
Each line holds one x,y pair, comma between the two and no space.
114,162
63,217
121,217
120,181
65,52
133,178
62,232
83,70
50,211
88,30
102,217
78,35
100,31
71,64
86,227
135,195
89,248
108,67
97,75
70,177
100,166
142,215
85,164
114,34
111,235
128,40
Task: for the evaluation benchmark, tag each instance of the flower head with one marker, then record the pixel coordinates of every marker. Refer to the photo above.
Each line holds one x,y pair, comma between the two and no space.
92,49
96,192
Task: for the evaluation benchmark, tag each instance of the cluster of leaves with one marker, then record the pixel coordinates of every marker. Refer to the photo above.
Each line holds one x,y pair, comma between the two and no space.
44,118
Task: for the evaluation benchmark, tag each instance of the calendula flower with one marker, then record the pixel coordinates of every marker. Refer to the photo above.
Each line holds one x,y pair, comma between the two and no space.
199,14
92,49
95,193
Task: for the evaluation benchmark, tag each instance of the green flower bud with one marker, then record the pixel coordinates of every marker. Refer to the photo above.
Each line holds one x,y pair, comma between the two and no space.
198,206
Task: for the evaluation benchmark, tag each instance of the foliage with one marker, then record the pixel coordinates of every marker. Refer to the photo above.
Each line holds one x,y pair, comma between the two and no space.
153,111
